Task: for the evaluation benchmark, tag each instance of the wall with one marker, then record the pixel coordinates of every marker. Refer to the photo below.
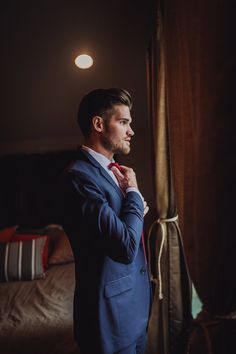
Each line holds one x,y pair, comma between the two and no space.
41,87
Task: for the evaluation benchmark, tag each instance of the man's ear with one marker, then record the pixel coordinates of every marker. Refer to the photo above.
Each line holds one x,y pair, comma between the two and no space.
98,123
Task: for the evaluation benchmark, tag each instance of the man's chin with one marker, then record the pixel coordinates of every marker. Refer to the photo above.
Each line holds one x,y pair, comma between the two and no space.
125,151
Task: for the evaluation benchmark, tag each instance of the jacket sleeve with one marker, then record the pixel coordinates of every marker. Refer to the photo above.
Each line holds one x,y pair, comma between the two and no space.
120,234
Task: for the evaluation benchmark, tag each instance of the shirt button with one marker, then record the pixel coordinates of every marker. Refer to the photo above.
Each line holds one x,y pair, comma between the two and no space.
143,270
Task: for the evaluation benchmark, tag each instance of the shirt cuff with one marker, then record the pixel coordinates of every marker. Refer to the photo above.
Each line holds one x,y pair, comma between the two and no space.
133,189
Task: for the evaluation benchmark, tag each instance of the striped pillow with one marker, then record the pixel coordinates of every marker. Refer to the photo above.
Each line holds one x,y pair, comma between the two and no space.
25,237
23,260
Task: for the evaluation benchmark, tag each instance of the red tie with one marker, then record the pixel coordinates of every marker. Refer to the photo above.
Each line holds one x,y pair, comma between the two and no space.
120,169
114,164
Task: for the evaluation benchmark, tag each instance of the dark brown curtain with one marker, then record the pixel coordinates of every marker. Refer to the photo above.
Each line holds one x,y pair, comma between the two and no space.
200,72
171,310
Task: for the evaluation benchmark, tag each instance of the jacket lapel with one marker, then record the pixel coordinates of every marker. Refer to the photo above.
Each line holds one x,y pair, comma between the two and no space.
103,172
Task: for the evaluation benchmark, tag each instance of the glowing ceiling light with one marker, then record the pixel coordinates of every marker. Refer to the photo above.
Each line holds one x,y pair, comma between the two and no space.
83,61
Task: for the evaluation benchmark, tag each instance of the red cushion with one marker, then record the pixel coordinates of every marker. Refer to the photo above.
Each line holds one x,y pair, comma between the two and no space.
7,233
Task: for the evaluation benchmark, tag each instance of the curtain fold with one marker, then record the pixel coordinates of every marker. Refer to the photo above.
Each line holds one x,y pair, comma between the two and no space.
200,75
171,310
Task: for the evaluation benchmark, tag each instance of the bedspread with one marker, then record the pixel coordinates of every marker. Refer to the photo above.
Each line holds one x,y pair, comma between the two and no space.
36,316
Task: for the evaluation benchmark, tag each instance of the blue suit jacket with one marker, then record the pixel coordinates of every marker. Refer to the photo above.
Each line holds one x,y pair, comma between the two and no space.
112,295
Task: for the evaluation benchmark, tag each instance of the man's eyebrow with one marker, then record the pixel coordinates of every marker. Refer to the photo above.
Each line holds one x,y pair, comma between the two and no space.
126,119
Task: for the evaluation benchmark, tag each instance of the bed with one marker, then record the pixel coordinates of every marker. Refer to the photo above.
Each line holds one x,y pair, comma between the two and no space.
36,296
35,302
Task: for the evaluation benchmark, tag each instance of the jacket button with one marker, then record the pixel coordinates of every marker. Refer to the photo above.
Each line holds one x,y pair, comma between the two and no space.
143,270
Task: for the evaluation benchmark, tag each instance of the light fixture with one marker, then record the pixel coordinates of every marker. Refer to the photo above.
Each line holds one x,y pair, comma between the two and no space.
83,61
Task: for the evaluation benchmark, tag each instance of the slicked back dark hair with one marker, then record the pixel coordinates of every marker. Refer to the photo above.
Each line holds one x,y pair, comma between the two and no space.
100,102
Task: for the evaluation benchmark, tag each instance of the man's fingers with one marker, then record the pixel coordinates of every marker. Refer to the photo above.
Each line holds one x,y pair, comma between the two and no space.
126,177
125,168
146,209
117,172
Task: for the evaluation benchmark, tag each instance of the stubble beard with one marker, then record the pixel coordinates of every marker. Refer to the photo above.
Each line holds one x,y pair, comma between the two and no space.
108,144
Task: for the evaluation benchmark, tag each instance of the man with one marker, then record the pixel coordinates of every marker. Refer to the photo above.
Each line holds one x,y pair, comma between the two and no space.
103,214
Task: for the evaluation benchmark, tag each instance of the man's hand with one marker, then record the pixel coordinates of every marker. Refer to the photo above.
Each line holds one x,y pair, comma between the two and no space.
127,178
146,208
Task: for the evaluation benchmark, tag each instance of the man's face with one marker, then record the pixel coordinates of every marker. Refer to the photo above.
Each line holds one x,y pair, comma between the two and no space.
117,133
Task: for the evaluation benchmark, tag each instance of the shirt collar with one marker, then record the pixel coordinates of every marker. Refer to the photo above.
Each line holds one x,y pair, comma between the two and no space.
100,158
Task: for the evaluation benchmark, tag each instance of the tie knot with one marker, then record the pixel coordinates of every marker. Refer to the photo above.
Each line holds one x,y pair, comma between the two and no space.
114,164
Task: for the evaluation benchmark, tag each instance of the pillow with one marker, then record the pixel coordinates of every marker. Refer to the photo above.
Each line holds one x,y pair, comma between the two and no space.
23,260
7,233
61,250
27,237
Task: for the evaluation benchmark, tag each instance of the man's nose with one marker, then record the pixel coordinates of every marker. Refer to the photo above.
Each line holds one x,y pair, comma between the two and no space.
130,131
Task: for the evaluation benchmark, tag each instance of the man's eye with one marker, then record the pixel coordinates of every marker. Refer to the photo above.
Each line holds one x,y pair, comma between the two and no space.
123,122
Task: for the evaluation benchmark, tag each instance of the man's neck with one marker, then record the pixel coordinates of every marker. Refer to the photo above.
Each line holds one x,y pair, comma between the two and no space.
100,149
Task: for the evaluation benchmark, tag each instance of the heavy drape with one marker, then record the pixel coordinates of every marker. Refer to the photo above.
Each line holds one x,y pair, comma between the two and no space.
171,310
200,63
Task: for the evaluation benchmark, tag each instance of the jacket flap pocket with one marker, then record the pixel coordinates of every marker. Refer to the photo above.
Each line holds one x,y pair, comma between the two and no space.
118,286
